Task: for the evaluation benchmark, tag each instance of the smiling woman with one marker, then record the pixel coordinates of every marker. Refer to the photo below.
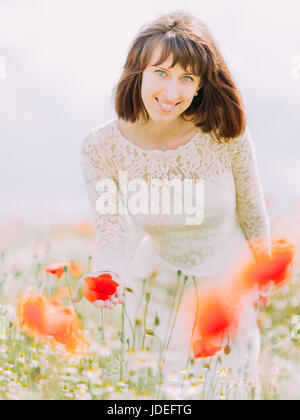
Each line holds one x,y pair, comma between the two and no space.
178,73
181,84
180,116
167,92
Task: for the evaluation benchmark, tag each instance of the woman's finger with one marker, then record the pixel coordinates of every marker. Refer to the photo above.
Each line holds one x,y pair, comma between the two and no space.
120,291
77,295
119,296
99,303
114,300
109,305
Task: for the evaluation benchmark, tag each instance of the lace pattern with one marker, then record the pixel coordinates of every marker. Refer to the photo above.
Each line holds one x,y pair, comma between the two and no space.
251,207
234,200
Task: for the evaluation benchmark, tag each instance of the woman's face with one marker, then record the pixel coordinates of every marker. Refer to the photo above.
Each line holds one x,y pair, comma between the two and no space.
173,87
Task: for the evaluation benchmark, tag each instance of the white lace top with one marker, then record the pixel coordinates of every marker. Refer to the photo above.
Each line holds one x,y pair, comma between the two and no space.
234,206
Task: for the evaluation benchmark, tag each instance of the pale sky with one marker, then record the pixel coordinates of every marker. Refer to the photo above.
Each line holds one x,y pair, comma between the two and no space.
63,57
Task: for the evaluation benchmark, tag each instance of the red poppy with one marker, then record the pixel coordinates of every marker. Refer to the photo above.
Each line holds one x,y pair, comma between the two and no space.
203,348
99,288
56,269
84,229
285,250
262,303
217,314
31,313
76,270
267,271
50,321
219,308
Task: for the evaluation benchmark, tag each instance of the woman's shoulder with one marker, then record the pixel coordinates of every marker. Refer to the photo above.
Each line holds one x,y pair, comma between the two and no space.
102,131
100,138
241,142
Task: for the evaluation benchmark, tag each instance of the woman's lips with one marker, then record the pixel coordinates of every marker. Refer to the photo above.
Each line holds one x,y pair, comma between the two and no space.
165,109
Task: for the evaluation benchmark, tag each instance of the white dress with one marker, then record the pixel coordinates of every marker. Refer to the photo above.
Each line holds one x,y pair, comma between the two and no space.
134,245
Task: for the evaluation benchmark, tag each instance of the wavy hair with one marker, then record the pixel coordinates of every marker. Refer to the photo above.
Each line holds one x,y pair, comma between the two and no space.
218,108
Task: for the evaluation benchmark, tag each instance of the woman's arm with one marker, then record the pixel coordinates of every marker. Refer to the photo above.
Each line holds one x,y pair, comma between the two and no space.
114,249
251,207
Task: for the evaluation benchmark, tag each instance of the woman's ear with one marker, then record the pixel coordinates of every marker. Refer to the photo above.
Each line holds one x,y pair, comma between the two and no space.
199,88
197,91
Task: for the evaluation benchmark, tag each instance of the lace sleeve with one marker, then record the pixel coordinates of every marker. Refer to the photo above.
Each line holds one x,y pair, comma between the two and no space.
251,207
114,249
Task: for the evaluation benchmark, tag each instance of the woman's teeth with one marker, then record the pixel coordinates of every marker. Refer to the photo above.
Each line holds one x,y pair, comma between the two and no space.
167,107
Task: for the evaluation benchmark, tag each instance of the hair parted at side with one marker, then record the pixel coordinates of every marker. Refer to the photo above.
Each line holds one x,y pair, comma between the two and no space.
218,108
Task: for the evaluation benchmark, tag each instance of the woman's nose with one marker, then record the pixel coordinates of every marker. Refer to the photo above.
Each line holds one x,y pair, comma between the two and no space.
171,94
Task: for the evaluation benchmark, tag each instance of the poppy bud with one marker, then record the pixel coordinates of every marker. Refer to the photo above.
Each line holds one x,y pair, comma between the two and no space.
227,350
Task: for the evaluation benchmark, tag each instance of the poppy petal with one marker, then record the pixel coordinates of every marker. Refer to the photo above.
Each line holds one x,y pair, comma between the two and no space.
103,283
90,295
203,348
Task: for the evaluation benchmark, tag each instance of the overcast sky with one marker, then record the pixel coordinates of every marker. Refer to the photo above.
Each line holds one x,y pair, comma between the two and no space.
62,59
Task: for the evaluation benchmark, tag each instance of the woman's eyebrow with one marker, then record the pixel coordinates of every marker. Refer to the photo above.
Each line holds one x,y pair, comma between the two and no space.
190,74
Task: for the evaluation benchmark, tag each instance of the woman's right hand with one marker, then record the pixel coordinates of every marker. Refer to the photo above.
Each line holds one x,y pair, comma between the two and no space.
111,302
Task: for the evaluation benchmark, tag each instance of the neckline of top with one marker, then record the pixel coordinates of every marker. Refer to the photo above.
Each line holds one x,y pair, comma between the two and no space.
155,151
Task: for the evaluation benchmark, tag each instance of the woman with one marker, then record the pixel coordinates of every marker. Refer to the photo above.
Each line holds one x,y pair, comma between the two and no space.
180,117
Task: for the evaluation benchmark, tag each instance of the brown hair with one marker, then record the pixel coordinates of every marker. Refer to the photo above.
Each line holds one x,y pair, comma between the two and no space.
218,108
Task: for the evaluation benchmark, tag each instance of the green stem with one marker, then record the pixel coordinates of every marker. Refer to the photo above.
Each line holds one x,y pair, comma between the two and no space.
173,305
194,326
123,342
213,386
154,328
205,378
173,326
89,264
132,329
69,288
195,322
102,326
141,298
37,270
176,314
147,297
159,363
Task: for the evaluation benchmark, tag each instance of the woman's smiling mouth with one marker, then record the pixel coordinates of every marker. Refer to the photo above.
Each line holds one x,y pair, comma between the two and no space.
164,107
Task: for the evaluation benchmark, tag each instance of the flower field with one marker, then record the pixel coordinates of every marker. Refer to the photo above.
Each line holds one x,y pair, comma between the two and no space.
53,349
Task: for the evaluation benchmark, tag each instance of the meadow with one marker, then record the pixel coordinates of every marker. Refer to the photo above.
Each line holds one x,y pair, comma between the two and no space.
108,367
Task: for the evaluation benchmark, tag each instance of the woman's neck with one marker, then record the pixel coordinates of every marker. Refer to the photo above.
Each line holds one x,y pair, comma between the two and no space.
154,135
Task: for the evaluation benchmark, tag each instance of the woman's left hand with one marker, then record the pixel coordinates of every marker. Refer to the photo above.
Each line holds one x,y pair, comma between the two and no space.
110,303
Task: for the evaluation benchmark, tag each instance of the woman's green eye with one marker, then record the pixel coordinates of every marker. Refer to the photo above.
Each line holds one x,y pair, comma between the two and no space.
161,71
